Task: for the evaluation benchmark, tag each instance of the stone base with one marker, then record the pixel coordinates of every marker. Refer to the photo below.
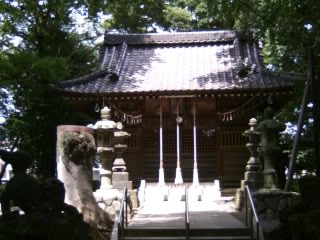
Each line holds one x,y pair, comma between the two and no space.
253,179
269,202
121,185
120,176
121,180
110,200
239,199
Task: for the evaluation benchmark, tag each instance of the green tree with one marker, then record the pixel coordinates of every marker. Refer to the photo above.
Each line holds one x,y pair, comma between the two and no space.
289,30
134,16
152,16
49,50
188,15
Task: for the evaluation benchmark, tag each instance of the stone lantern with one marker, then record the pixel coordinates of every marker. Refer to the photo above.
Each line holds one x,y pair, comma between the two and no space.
253,176
110,147
269,147
105,129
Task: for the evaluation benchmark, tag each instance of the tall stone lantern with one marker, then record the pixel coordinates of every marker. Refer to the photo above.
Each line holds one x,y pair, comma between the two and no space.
269,147
110,147
253,177
109,141
105,129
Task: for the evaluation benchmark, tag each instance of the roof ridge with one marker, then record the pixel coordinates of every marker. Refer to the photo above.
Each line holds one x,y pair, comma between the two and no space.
172,37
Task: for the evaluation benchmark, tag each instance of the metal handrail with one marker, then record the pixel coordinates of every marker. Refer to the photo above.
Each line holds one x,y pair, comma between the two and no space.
252,220
123,214
187,220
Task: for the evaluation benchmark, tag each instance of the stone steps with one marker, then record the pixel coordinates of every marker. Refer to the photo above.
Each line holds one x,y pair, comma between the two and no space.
161,215
191,238
199,234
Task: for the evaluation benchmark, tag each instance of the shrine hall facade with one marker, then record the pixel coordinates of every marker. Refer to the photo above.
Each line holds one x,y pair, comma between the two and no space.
186,98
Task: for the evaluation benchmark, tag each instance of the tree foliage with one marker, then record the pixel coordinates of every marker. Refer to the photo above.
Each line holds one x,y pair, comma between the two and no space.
153,16
188,15
282,25
289,31
49,50
133,16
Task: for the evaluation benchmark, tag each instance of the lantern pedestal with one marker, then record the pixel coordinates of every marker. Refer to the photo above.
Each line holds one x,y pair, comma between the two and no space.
106,157
120,176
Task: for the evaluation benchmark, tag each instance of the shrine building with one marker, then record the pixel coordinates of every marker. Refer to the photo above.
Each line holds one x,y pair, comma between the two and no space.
186,98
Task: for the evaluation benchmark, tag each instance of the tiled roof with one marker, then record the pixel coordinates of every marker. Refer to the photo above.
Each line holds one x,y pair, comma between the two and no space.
170,38
214,61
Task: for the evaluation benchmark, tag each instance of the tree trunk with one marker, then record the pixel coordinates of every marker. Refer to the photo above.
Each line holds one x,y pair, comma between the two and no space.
297,137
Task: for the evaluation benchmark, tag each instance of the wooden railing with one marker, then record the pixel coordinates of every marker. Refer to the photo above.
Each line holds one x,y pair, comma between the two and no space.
187,220
252,220
123,215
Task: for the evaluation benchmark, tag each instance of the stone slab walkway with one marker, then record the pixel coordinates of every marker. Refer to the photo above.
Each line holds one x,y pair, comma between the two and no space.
171,214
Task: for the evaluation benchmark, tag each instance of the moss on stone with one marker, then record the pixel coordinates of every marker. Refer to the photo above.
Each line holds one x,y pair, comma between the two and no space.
77,146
